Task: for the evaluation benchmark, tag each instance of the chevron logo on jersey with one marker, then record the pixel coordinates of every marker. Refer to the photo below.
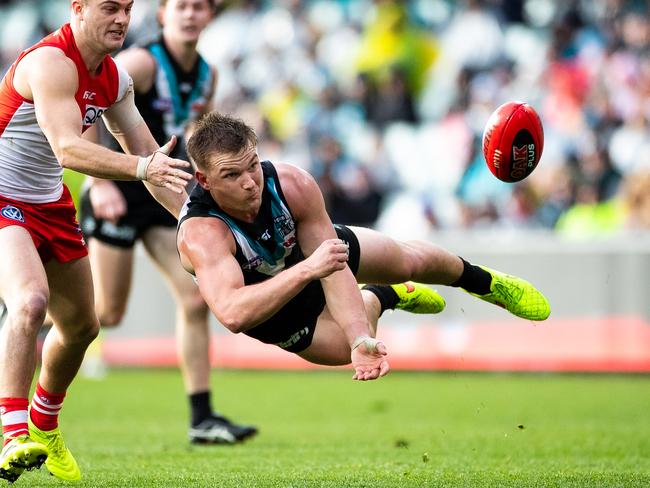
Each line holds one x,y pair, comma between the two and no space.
13,213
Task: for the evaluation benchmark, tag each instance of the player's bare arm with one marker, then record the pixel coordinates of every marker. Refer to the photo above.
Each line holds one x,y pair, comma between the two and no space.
139,140
315,231
106,199
343,298
49,79
207,248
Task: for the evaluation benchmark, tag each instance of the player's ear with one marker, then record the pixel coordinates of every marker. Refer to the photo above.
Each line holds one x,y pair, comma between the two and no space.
77,6
160,15
202,180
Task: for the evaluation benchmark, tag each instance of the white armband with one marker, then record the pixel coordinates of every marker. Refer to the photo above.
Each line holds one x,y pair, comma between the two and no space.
123,116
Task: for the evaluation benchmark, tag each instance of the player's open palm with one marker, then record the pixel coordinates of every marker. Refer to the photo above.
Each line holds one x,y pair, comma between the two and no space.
330,256
107,200
167,172
369,360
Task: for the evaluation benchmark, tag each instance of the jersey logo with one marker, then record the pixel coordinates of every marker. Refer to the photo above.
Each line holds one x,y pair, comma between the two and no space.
284,224
89,95
13,213
163,104
42,400
93,113
253,263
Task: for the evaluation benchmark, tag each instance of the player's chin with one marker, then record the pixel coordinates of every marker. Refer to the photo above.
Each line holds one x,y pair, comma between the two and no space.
190,38
187,37
113,41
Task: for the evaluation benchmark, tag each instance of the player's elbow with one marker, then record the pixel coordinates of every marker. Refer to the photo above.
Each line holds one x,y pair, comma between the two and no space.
227,317
65,162
233,323
234,320
65,154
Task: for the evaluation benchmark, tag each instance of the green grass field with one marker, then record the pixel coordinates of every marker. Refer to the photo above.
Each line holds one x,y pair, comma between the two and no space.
321,429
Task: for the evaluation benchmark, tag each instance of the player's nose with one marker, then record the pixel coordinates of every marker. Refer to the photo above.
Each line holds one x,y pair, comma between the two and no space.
248,183
122,17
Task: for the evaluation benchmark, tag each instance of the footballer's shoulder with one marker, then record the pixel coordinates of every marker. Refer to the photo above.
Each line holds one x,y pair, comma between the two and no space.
300,189
292,176
140,64
46,69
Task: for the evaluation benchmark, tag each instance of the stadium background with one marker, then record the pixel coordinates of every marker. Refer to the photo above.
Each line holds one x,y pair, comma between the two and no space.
384,102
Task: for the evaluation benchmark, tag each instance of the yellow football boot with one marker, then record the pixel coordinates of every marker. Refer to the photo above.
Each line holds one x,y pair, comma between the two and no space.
21,454
60,461
418,298
517,296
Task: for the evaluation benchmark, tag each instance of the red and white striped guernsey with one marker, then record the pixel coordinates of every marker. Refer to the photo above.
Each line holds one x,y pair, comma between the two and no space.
29,170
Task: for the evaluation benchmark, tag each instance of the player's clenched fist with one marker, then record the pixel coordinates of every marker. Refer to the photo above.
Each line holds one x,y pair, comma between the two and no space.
330,256
161,170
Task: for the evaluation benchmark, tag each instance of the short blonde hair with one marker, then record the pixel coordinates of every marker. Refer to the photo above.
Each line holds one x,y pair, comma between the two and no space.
217,133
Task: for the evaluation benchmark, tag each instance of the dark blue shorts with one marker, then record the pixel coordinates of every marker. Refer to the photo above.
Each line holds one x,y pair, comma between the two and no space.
292,327
142,213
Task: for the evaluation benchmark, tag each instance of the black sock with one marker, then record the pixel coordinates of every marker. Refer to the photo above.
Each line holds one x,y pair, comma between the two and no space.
474,279
201,407
388,298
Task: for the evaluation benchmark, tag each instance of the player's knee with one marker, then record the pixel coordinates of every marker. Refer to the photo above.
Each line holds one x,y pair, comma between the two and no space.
194,308
30,310
111,316
84,331
90,331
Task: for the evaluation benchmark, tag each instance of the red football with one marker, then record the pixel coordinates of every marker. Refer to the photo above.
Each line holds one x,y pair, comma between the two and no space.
513,141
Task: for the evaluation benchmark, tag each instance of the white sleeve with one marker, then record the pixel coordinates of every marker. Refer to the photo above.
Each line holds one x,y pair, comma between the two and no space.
123,116
125,82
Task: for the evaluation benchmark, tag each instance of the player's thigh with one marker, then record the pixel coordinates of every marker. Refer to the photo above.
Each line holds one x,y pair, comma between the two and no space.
112,269
329,346
72,305
22,275
383,259
160,243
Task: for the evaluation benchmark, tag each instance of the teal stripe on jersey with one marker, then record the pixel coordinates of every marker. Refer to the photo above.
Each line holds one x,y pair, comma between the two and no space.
181,110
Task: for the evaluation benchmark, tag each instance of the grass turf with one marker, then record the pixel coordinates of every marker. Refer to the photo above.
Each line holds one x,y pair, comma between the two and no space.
321,429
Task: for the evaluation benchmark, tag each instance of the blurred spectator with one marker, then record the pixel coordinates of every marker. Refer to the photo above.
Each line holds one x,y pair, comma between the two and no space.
385,100
636,198
351,194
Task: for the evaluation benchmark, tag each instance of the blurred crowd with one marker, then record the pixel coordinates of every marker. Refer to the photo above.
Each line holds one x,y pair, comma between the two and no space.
385,101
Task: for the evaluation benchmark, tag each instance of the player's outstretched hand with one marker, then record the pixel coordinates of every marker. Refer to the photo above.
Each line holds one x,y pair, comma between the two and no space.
330,256
168,172
107,200
369,359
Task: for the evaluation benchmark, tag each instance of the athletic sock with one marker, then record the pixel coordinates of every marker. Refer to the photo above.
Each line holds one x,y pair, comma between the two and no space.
388,298
201,407
13,414
45,408
474,279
